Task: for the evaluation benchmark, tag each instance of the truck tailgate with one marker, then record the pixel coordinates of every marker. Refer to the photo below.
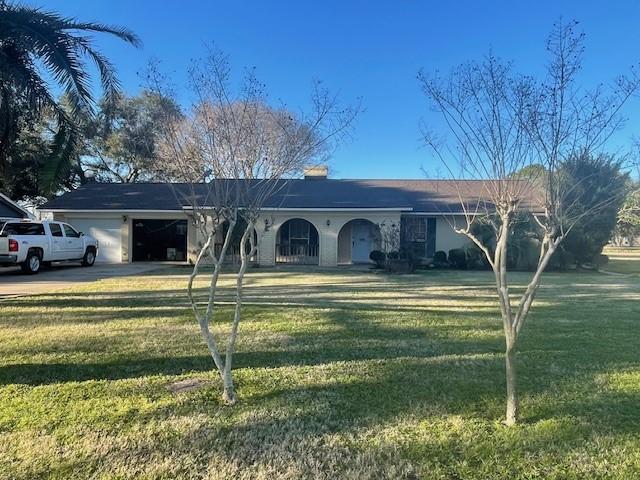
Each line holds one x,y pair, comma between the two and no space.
4,245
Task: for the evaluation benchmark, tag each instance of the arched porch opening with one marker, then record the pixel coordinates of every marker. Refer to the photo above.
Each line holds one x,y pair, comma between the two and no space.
356,240
297,242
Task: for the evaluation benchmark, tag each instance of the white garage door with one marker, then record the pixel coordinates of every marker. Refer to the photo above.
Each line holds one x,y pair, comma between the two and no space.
107,232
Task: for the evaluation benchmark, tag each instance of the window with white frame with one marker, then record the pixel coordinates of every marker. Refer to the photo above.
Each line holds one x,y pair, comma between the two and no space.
415,229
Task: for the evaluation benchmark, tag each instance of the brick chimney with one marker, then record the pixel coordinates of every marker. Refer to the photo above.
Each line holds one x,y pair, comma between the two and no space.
317,172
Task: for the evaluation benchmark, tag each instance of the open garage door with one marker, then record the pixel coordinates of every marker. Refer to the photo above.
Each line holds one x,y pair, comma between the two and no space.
159,240
108,233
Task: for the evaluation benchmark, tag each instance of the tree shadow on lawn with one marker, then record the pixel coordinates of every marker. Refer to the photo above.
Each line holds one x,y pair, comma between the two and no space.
358,333
419,391
365,292
302,299
301,349
169,302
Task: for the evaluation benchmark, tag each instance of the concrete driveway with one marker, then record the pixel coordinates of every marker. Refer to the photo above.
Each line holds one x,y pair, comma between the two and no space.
14,283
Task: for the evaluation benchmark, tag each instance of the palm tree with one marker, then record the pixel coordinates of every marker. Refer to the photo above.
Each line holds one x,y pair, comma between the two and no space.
41,52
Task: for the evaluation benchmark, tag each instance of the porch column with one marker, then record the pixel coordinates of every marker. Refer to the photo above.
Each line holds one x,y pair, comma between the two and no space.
328,244
192,240
266,244
125,237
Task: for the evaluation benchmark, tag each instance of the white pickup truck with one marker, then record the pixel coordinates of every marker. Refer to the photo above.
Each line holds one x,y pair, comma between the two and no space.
31,244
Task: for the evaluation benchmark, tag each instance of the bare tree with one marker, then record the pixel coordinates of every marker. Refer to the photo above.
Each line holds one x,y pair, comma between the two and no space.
233,152
503,127
389,240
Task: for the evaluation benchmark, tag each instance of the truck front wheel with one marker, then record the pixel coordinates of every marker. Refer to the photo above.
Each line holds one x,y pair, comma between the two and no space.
89,257
32,264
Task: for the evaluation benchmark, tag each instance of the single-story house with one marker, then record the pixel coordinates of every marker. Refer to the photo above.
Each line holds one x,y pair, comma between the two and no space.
315,220
10,209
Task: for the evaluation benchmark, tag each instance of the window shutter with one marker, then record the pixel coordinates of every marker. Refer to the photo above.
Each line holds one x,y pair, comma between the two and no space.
431,237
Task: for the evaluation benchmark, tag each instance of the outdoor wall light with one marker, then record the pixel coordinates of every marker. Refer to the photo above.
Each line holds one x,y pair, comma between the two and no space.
328,222
124,219
266,224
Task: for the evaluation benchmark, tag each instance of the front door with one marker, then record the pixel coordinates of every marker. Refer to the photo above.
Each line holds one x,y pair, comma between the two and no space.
361,242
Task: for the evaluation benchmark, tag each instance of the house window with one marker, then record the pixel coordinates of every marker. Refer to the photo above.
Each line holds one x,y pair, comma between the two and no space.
419,234
415,230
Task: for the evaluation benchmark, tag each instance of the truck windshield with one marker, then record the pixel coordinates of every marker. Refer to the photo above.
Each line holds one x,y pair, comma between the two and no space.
2,224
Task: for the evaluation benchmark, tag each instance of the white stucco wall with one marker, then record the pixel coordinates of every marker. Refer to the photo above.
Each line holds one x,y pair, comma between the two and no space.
102,225
328,224
446,237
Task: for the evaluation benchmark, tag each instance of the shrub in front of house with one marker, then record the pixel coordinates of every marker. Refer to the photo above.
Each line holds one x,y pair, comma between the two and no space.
458,258
475,258
405,260
378,257
412,255
440,259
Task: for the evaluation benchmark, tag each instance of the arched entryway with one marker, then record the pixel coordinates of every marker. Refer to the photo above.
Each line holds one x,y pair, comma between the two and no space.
298,242
356,240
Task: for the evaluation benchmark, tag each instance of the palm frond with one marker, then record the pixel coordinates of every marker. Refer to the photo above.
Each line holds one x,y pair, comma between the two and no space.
50,38
107,71
26,83
59,162
121,32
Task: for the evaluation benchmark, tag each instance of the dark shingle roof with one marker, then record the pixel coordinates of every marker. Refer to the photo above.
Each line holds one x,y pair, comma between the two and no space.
431,196
8,209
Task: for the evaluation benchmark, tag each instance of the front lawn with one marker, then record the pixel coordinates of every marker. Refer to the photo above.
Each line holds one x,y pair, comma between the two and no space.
623,260
340,374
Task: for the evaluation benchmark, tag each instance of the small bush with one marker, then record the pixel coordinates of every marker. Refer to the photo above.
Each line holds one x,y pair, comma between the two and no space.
378,258
440,259
397,265
411,254
458,258
475,258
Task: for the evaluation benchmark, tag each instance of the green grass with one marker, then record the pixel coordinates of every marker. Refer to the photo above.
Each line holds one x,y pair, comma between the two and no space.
623,260
340,375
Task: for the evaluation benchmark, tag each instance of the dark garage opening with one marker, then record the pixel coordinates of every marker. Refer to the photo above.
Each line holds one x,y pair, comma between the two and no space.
159,240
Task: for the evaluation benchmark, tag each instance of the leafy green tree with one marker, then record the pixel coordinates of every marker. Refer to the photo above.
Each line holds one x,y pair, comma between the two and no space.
628,223
597,192
534,172
120,141
36,46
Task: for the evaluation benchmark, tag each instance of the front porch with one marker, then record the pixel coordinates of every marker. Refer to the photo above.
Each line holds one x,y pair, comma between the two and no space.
332,238
298,243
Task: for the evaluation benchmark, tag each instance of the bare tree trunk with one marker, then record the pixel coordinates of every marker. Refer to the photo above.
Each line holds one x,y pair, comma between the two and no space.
513,407
229,393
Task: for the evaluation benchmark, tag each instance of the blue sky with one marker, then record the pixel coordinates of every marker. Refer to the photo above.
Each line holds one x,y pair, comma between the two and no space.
364,49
